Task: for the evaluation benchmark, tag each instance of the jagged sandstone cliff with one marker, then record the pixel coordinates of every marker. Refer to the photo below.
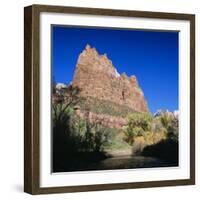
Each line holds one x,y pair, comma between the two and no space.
97,77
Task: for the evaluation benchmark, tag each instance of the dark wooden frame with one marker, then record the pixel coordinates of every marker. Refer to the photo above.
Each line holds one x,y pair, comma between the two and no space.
32,106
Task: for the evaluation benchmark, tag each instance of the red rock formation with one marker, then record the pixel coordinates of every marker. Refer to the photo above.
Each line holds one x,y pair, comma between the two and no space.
97,77
106,120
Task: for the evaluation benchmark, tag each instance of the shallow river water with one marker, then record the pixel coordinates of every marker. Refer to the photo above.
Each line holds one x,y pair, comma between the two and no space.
129,162
119,162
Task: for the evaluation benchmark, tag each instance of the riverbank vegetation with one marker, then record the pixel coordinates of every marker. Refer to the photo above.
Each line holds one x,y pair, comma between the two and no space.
78,143
153,136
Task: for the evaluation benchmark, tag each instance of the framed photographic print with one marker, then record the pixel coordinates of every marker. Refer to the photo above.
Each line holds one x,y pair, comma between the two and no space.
109,99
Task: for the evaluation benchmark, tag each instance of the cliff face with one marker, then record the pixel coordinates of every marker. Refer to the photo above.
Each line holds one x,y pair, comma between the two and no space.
97,78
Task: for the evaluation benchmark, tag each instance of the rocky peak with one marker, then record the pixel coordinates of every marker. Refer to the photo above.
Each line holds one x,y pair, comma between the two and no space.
96,76
133,80
90,56
87,47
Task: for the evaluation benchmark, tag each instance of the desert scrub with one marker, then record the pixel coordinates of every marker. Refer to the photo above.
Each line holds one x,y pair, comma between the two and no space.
104,107
116,144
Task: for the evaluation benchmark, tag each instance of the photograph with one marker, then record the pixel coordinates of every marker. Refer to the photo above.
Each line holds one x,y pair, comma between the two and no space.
109,99
114,98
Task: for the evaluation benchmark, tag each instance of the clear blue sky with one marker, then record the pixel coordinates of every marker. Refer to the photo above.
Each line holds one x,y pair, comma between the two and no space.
152,56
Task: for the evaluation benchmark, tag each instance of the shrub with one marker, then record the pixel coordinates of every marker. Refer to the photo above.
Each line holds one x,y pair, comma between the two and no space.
149,138
139,144
157,126
78,135
138,125
169,125
115,143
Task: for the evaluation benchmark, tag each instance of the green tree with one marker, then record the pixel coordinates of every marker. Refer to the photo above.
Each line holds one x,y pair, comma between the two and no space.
138,125
170,123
